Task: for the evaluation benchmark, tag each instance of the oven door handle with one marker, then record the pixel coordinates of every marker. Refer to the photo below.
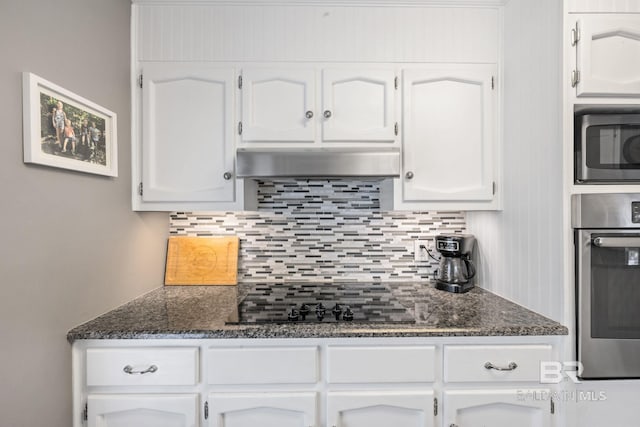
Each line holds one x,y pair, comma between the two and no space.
617,242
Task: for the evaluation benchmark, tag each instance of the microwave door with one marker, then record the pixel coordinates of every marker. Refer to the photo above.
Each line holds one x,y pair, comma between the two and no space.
607,148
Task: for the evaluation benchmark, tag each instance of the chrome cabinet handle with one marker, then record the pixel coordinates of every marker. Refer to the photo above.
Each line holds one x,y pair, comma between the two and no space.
227,176
512,366
409,175
309,114
327,114
150,370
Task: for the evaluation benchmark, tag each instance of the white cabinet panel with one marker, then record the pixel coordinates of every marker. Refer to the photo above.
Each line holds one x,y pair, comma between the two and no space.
608,55
317,31
148,366
281,106
358,105
380,409
449,131
142,410
464,363
187,133
281,365
381,364
262,409
276,104
497,408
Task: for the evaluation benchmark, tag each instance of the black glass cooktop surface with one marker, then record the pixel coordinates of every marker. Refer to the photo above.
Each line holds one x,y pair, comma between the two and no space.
318,303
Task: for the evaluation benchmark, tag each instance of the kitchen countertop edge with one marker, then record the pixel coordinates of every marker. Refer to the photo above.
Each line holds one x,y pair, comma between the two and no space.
202,313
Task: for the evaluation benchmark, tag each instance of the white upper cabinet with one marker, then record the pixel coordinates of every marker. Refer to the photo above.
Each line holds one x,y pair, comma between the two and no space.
602,6
449,135
607,55
295,105
187,152
278,105
358,105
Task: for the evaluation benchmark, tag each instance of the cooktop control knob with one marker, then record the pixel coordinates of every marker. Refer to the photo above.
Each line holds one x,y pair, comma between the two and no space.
320,311
337,311
293,315
304,310
348,314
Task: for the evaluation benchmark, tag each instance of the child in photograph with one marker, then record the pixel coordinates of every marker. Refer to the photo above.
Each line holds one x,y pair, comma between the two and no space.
58,117
95,135
69,135
84,133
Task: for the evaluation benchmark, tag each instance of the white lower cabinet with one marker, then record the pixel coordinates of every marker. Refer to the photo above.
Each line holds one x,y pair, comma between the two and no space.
380,409
498,408
490,404
142,410
295,409
314,382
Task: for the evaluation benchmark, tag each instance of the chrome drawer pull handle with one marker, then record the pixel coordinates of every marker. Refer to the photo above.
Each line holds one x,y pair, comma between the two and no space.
150,370
512,366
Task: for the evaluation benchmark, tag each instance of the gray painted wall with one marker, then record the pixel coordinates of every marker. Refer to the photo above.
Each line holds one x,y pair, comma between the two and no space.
71,246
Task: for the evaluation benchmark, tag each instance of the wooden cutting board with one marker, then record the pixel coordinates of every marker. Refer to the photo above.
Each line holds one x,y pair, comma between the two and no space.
202,261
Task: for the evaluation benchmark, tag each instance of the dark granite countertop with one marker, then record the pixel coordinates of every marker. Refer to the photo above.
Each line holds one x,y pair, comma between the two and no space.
203,312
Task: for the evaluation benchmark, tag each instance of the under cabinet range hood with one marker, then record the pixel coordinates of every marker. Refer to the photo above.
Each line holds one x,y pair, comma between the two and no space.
331,162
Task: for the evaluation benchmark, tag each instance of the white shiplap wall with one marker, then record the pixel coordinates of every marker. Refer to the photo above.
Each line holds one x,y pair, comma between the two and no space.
295,33
521,247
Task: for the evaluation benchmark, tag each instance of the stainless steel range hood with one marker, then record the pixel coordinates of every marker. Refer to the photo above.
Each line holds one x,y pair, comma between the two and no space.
332,162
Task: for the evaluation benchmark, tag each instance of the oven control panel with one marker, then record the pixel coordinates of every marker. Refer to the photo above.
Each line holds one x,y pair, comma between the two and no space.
635,212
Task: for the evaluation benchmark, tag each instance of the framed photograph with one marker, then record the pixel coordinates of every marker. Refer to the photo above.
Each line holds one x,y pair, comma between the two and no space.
64,130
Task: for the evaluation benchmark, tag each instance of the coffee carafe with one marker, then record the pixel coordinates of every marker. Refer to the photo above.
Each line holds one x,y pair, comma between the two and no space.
455,270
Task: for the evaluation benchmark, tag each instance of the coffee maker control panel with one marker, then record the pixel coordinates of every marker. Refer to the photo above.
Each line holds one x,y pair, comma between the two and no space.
447,245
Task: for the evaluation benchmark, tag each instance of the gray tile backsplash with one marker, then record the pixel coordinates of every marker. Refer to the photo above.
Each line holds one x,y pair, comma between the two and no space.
322,231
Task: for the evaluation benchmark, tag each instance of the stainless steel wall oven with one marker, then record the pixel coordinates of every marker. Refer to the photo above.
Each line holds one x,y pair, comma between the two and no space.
607,254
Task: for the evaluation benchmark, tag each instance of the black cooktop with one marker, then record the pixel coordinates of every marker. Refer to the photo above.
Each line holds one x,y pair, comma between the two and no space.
322,303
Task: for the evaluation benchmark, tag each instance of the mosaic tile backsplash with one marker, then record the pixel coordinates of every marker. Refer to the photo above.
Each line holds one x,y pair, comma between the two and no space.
323,231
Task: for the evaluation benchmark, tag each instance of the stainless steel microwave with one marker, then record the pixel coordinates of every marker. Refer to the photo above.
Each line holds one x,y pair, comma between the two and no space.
607,148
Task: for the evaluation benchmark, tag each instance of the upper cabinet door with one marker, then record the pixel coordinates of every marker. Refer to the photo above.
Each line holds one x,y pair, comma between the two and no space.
449,131
608,55
278,105
187,133
358,105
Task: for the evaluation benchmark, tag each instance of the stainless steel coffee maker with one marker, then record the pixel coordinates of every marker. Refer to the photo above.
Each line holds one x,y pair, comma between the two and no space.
455,271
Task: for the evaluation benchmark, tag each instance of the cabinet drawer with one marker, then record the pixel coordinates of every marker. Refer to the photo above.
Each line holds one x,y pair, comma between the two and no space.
470,363
145,366
281,365
381,364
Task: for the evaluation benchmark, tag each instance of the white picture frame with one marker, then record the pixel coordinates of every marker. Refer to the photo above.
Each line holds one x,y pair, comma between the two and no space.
86,143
